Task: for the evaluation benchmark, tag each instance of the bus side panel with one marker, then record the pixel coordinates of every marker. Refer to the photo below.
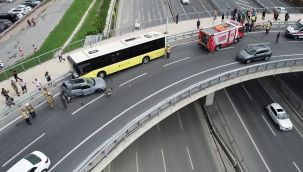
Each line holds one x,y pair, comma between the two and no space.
157,53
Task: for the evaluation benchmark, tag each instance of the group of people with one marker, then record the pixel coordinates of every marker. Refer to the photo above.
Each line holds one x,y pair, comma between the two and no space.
29,109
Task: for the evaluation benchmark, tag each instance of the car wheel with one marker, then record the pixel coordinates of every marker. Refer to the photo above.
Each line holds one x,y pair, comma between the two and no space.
45,170
248,61
266,58
101,74
145,60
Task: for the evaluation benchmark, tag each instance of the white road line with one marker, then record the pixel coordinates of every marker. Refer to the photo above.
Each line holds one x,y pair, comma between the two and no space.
269,126
266,91
137,165
183,11
132,79
243,1
191,162
243,5
298,131
252,140
299,170
168,64
294,41
87,104
261,43
23,150
181,126
163,159
205,8
287,55
243,86
129,108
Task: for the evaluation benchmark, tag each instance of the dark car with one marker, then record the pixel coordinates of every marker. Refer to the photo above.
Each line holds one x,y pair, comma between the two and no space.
31,3
9,16
254,53
3,27
82,86
6,22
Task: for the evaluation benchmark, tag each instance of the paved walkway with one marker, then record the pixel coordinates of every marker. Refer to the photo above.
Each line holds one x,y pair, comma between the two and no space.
56,69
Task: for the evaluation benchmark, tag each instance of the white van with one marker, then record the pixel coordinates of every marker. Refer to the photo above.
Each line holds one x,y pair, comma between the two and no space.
295,31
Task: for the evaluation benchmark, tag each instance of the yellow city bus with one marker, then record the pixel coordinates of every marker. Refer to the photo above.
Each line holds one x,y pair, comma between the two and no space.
115,56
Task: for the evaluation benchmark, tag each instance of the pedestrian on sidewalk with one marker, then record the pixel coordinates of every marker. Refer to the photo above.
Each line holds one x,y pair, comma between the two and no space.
222,17
48,78
277,38
23,86
34,48
21,52
61,58
15,74
5,92
9,101
28,22
30,108
263,14
63,99
33,21
37,83
49,98
177,18
198,24
227,12
14,86
24,114
168,51
286,16
215,16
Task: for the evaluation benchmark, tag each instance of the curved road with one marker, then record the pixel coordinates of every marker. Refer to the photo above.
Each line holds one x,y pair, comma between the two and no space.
68,136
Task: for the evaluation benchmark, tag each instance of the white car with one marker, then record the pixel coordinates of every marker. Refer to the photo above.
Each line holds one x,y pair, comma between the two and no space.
185,2
21,10
279,116
28,8
280,10
36,161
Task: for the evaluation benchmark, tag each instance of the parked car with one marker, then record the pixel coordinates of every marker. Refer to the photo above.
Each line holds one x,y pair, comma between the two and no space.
82,86
34,162
279,116
22,11
6,22
9,16
254,53
280,10
24,7
185,2
31,3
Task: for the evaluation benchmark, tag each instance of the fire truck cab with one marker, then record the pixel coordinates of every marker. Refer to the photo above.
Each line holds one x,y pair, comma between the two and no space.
220,35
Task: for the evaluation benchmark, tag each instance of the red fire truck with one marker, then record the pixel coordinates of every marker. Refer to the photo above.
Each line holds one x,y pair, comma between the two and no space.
221,35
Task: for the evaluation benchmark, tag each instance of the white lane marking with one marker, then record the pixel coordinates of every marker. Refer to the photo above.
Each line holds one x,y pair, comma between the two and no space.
137,165
129,108
191,162
184,43
163,159
183,11
268,126
298,131
266,91
181,126
23,150
261,43
204,8
299,170
168,64
87,104
158,127
287,55
252,140
243,5
243,86
294,41
132,79
226,48
243,1
20,116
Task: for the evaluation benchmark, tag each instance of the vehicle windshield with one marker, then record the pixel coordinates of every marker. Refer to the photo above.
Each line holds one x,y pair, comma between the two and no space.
298,26
90,81
250,50
33,159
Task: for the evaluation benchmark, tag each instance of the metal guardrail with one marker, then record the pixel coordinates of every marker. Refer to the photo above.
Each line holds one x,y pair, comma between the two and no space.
34,95
103,150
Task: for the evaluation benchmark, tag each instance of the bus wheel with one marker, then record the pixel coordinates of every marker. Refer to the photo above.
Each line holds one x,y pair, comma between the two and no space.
101,74
145,60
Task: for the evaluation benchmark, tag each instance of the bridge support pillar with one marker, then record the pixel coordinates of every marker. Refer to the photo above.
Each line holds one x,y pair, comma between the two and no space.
210,99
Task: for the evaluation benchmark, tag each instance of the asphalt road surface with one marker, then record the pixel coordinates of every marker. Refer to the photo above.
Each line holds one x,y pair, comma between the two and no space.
179,143
69,136
294,81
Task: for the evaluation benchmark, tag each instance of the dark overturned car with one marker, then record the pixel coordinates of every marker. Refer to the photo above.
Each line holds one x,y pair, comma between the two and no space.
82,86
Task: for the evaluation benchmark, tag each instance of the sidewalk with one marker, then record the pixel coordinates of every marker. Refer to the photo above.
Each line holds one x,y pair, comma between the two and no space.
56,69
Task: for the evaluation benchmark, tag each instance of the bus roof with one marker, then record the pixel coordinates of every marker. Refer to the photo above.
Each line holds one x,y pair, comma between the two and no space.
104,48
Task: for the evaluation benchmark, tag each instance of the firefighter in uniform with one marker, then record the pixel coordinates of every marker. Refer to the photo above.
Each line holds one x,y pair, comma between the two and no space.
49,98
30,108
24,114
167,51
108,91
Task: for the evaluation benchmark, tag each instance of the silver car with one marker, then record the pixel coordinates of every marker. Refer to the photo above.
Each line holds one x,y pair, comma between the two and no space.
254,53
82,86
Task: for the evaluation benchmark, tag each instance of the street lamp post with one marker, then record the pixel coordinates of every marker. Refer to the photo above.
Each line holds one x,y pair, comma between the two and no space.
166,31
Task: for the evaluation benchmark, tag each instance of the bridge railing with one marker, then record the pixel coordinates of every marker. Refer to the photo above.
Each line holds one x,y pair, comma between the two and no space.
104,149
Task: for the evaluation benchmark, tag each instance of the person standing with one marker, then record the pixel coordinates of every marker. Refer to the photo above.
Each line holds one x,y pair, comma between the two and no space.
49,98
286,16
21,52
30,108
23,86
24,114
34,48
33,21
177,18
37,83
168,51
198,24
222,17
268,26
48,78
277,38
63,99
61,58
5,92
15,74
14,86
28,22
263,14
9,101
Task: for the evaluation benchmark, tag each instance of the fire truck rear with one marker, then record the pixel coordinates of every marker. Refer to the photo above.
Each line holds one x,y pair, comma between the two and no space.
221,35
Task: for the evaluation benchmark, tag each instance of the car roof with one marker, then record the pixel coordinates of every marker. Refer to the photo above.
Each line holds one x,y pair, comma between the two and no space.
259,46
